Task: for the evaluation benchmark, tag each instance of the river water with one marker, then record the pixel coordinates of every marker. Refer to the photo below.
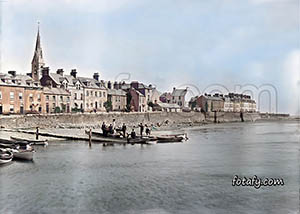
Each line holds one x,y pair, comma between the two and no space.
192,177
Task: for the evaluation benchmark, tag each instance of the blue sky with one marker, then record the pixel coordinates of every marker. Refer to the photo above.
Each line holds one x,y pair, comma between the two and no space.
168,43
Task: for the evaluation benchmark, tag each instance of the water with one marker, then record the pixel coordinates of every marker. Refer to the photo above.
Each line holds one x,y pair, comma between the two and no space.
193,177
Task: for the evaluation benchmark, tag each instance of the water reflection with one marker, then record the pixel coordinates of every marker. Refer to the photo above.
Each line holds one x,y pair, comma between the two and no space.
191,177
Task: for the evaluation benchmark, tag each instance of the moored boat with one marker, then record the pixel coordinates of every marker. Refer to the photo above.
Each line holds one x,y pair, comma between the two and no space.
24,151
31,141
169,139
117,138
5,156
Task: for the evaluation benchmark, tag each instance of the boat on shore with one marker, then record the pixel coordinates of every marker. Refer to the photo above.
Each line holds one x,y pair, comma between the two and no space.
117,138
20,150
31,141
6,156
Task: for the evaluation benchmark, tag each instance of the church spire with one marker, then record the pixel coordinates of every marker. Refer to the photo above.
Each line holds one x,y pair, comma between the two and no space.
38,60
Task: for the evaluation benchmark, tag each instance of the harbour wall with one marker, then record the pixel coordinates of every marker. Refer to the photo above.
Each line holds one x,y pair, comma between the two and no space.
83,120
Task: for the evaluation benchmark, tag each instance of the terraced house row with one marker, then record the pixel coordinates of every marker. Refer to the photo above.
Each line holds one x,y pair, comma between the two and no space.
43,91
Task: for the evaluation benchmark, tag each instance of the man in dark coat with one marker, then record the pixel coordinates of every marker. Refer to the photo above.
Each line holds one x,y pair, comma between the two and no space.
141,129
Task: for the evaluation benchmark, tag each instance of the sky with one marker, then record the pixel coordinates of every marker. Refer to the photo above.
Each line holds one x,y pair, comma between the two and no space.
249,46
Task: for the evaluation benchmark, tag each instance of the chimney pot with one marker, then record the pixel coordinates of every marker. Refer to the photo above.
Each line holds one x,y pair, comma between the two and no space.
73,73
60,71
96,76
13,73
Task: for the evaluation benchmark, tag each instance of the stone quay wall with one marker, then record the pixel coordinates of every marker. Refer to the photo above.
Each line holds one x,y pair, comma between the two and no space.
82,120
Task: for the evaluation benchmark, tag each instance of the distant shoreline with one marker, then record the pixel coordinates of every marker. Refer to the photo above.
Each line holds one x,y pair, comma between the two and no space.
158,119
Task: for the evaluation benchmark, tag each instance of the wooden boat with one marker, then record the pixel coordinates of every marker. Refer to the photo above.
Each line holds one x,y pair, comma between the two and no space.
31,141
169,139
116,138
5,156
7,141
172,138
24,151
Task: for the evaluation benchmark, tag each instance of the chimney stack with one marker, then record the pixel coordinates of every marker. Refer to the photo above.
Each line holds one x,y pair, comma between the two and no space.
13,73
45,71
74,73
60,71
96,76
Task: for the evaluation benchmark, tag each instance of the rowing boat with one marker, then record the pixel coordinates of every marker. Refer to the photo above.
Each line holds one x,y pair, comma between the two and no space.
116,138
31,141
5,156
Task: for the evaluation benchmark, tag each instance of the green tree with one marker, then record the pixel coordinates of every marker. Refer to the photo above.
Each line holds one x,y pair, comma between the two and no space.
108,106
206,106
57,109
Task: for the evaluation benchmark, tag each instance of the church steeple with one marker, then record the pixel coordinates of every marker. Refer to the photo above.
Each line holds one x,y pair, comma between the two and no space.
38,60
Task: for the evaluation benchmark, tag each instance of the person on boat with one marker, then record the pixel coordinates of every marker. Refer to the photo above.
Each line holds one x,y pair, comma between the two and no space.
124,129
141,129
103,127
147,130
114,123
133,134
111,129
37,133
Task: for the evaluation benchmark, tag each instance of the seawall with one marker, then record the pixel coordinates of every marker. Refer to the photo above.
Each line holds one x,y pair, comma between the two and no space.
96,119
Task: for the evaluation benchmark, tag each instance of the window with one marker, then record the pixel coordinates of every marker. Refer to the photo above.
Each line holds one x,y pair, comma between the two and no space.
61,98
100,94
96,94
53,97
0,95
116,99
40,109
20,96
11,108
39,97
81,96
47,97
91,93
75,96
30,97
87,105
68,99
12,95
87,93
103,94
91,105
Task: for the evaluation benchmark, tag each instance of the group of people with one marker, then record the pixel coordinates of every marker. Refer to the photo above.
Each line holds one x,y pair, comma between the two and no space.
112,129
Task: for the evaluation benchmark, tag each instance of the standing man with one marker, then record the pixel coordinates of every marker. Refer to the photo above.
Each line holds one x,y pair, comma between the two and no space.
124,130
147,130
37,133
114,123
141,129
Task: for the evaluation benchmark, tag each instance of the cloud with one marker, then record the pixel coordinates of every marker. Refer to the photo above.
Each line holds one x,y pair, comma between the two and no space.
291,80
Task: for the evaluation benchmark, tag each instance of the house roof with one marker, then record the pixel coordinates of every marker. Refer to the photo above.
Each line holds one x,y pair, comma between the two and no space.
91,83
116,92
179,92
212,98
19,80
56,91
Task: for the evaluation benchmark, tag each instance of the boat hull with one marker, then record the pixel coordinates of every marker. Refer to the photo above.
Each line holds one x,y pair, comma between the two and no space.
31,142
24,155
5,156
